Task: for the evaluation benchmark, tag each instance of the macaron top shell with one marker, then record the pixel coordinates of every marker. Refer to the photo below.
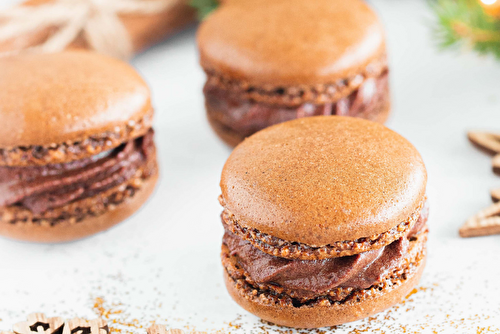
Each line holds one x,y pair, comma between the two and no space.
324,179
291,42
50,99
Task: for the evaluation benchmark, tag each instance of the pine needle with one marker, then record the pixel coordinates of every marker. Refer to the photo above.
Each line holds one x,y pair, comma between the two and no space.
464,22
204,7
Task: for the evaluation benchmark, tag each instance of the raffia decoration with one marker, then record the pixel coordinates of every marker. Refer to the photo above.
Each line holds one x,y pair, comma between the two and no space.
96,21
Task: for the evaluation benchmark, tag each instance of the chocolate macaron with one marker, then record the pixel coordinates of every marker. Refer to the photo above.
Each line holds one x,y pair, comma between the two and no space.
325,221
76,153
273,61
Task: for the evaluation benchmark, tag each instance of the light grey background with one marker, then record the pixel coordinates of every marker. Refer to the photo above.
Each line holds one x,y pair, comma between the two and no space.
163,264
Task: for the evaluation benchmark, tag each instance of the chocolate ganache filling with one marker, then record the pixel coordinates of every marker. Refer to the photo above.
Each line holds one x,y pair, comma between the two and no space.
245,117
308,279
41,188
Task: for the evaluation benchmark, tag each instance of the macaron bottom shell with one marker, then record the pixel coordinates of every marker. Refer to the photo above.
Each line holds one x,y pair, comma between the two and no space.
316,316
70,231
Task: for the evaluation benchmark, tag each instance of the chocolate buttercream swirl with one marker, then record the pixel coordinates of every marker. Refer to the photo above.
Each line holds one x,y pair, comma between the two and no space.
42,188
244,116
305,281
263,295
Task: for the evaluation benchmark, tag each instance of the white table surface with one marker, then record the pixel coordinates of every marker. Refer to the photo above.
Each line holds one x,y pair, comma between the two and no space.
163,264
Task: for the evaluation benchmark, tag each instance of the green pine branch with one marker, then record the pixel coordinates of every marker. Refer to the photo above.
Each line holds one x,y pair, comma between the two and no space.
464,22
459,23
204,7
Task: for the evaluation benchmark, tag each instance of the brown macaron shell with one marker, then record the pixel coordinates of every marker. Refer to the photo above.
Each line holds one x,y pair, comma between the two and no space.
67,98
291,42
320,180
317,316
68,230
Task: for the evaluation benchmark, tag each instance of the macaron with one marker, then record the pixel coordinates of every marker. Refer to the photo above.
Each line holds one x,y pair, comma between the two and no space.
273,61
325,221
77,154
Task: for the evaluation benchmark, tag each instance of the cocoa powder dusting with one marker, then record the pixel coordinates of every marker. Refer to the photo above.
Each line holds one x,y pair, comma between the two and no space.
118,321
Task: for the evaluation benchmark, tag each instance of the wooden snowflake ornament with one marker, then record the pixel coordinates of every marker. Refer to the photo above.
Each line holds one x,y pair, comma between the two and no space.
38,323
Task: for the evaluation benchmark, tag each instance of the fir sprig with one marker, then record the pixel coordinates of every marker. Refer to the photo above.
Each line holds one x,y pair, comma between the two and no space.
204,7
464,22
